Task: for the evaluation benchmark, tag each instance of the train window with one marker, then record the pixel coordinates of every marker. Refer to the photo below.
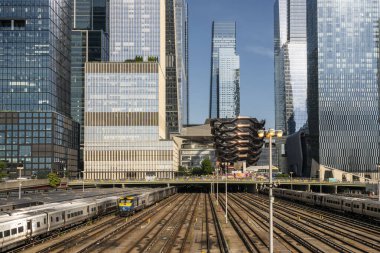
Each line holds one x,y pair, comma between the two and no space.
7,233
1,234
38,224
29,225
14,231
20,229
51,218
57,219
44,220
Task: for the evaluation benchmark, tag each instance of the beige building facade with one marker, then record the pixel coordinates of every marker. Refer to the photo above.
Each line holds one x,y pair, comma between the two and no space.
125,136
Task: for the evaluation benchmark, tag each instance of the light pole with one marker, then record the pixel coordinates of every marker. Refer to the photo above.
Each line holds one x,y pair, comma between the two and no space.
269,134
82,180
291,180
226,195
217,186
19,178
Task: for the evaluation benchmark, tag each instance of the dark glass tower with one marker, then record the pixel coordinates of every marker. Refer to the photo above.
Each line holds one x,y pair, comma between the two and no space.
89,42
90,14
343,84
35,124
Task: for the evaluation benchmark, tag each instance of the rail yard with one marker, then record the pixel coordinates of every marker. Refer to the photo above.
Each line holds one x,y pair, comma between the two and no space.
195,222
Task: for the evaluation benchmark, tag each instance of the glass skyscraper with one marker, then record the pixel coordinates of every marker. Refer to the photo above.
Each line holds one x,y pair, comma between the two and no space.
343,84
290,65
89,42
280,38
90,14
35,124
229,86
136,30
224,36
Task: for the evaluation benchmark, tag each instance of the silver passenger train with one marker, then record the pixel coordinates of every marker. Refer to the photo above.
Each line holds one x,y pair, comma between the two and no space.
19,226
364,207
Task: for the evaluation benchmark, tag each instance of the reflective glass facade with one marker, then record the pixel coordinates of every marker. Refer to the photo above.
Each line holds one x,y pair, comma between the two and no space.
134,29
42,141
86,45
122,122
280,38
343,94
290,65
229,83
35,55
90,14
182,57
155,29
36,128
223,36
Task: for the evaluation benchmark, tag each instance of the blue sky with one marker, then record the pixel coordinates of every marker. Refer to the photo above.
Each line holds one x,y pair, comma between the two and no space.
254,45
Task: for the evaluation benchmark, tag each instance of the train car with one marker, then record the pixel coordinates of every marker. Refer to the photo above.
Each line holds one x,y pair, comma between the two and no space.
11,230
333,201
372,209
358,205
318,198
292,195
128,205
278,192
15,230
308,197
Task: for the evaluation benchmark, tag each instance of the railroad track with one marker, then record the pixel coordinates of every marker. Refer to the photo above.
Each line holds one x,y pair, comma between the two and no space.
334,217
84,237
222,242
335,241
159,237
112,238
254,234
338,231
58,234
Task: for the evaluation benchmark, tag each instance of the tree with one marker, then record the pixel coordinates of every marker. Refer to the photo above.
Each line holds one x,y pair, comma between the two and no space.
3,166
197,171
206,166
183,171
54,180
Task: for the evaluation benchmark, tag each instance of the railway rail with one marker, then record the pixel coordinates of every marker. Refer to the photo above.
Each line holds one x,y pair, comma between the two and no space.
338,228
295,224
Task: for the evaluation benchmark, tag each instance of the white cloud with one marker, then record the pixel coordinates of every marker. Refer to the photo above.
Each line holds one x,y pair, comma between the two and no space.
259,50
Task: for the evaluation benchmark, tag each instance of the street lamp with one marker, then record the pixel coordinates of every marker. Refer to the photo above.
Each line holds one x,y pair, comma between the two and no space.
291,180
217,186
19,178
82,180
226,194
269,134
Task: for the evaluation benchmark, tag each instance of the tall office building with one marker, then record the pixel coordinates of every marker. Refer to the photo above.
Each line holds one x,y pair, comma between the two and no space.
228,82
225,79
35,124
90,14
290,65
343,84
124,122
280,38
142,35
134,102
89,42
